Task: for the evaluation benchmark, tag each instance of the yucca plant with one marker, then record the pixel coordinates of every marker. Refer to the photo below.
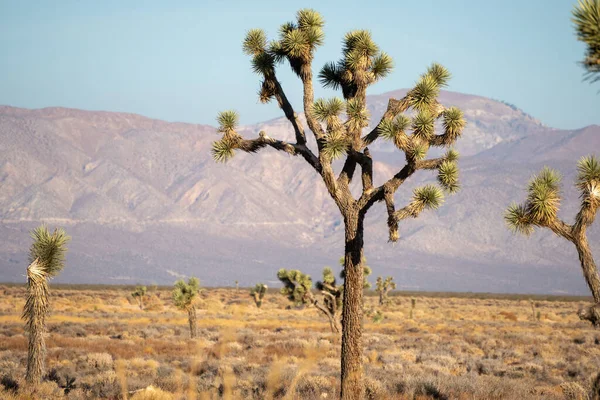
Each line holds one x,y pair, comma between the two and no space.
139,294
46,260
184,296
586,17
383,287
337,127
540,209
258,293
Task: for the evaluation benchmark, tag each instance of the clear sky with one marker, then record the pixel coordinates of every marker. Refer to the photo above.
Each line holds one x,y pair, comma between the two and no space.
182,60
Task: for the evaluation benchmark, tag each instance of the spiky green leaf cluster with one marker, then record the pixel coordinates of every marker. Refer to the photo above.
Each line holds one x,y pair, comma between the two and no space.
424,94
428,196
227,121
336,145
361,65
422,125
358,115
448,176
518,220
222,151
586,17
543,198
417,150
184,293
452,155
439,73
588,172
328,110
391,129
454,123
296,285
255,42
49,249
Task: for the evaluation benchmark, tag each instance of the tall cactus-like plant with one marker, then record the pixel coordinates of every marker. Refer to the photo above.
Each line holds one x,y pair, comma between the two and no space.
258,293
184,297
337,132
46,260
541,208
139,294
586,17
383,287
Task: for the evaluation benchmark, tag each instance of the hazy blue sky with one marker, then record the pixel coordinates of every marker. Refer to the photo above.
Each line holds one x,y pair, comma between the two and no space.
182,60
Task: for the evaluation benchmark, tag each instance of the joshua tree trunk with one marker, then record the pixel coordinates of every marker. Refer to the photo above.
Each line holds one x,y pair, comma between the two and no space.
381,295
352,314
37,306
192,321
590,272
333,318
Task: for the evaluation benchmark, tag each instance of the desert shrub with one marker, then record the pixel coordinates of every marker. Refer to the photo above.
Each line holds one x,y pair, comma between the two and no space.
100,361
152,393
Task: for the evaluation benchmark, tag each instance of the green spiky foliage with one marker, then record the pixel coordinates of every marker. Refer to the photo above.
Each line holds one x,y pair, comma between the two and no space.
139,294
586,17
184,296
296,286
46,259
383,286
541,207
258,293
342,129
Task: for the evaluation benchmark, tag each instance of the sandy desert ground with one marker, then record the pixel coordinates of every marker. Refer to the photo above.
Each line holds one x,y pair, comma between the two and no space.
456,346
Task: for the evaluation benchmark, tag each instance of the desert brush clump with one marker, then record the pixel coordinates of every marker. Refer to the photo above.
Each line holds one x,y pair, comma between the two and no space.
139,294
586,17
383,287
258,293
540,209
184,296
337,126
46,260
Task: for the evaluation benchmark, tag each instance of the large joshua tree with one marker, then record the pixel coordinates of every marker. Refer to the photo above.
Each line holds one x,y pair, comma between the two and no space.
184,296
541,209
586,17
46,260
337,128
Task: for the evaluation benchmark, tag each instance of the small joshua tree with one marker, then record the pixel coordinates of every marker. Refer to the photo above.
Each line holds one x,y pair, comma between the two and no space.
184,296
337,131
586,17
383,287
258,293
237,286
541,208
297,288
413,304
47,259
139,294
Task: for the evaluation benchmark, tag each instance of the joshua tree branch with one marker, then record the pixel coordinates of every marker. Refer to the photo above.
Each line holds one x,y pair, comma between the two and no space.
394,108
289,112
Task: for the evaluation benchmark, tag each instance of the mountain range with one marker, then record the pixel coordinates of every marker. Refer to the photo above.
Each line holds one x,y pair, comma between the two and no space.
145,203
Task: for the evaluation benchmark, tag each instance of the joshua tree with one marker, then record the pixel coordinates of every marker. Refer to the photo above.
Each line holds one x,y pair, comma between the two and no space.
237,286
362,64
586,17
139,293
413,304
47,259
541,208
297,288
258,292
184,296
383,288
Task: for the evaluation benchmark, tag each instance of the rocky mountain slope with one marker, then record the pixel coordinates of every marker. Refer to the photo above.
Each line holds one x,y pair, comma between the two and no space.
144,202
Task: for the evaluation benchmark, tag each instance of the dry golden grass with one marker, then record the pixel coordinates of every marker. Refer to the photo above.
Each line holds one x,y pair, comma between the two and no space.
453,348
